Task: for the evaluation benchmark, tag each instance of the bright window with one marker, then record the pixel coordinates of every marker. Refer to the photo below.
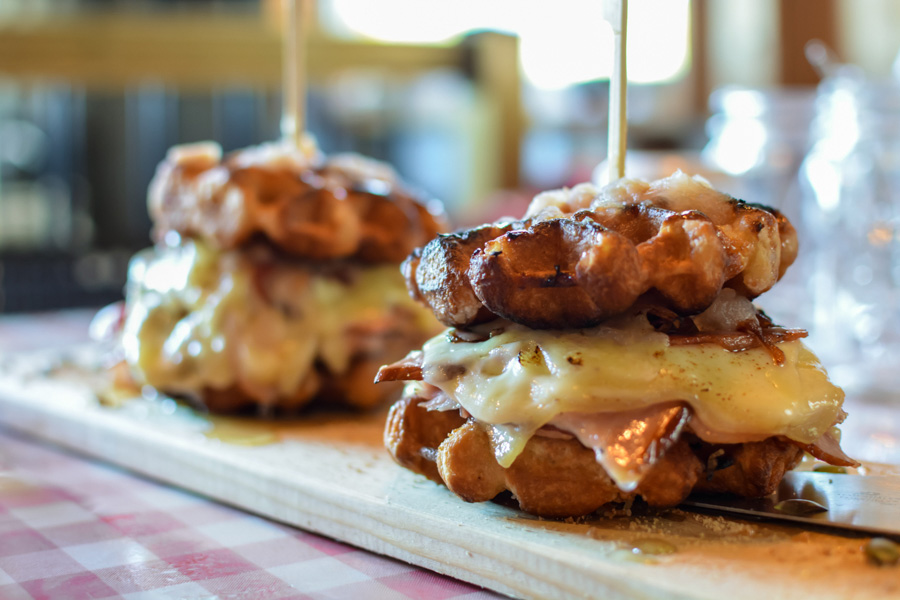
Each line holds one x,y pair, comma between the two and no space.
562,43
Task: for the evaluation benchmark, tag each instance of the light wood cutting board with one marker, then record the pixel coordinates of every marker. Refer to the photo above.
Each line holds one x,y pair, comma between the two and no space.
330,474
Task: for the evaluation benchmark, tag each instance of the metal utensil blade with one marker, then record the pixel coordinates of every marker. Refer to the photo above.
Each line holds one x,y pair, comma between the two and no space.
856,502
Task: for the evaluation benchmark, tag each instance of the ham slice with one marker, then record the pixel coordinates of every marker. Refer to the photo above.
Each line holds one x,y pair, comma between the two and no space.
828,449
627,443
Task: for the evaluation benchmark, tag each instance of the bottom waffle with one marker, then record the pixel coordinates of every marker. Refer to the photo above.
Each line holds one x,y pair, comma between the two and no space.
556,476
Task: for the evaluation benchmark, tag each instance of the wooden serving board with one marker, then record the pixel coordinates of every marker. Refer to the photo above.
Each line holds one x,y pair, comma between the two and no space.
330,474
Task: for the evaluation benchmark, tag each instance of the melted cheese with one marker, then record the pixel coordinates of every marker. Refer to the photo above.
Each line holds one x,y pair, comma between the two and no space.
196,319
520,379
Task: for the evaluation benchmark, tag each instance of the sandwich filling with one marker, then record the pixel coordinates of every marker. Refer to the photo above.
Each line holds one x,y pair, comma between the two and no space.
617,322
200,318
626,376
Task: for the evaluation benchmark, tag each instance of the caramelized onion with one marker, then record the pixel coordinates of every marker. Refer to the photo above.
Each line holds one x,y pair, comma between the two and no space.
738,341
731,321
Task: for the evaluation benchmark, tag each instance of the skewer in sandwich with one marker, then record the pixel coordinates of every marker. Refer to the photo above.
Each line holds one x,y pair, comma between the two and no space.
606,348
274,279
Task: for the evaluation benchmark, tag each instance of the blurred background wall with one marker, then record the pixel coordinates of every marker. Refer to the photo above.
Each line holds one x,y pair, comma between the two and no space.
479,102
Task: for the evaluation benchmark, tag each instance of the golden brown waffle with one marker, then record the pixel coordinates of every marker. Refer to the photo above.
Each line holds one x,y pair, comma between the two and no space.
559,477
345,207
583,255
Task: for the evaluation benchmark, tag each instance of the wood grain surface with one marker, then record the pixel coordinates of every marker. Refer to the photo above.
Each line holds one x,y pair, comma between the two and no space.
328,473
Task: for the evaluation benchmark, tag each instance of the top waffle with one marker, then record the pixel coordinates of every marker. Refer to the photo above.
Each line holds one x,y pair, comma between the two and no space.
584,254
345,207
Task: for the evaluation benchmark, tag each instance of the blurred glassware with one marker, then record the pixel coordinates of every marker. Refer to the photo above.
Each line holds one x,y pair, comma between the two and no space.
757,141
851,188
759,137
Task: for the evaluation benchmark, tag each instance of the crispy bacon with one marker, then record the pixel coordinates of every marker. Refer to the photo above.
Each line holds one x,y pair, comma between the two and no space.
407,369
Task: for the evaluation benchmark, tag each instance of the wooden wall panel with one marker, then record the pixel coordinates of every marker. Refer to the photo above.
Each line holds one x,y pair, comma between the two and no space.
801,21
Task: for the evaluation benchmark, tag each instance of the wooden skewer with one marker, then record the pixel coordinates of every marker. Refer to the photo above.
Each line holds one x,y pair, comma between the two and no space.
293,111
618,83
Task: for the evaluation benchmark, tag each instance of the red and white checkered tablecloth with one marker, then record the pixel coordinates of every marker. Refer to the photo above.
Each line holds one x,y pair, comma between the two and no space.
74,529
